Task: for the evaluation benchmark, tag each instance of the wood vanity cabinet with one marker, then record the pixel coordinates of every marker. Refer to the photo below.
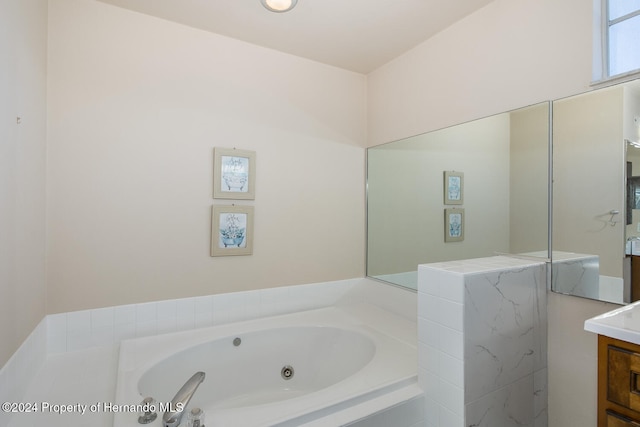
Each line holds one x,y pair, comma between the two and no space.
635,278
618,383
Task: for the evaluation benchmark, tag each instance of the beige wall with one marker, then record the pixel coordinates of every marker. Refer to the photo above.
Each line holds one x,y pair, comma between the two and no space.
631,113
528,180
136,105
588,160
507,55
23,54
572,360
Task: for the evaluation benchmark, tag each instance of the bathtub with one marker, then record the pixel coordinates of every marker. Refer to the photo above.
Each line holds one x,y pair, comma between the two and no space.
286,370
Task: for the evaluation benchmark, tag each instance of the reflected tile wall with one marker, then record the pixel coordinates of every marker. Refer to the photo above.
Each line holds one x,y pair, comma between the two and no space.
482,337
576,274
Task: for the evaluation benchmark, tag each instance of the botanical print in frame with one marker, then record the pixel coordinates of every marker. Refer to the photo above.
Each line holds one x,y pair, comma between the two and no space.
234,174
453,188
453,225
231,230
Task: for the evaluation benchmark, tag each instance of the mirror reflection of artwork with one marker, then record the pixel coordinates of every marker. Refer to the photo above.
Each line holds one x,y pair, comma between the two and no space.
453,188
234,174
505,160
454,225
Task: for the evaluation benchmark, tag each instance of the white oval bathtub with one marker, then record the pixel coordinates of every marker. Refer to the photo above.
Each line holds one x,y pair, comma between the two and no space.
339,357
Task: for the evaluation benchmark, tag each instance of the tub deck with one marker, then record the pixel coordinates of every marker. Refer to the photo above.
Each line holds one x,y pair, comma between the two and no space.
391,372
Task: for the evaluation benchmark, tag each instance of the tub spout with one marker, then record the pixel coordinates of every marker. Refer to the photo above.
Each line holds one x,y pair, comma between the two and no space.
173,416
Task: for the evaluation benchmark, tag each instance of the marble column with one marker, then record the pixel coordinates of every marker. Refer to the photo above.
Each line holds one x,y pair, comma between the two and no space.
483,342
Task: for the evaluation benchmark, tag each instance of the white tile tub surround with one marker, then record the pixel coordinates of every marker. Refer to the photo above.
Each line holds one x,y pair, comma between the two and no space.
105,326
410,413
482,342
72,357
20,370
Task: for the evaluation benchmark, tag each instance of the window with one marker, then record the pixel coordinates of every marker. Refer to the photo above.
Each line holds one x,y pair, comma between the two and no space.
621,32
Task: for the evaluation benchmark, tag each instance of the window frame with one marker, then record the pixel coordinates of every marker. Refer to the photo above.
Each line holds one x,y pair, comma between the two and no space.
605,26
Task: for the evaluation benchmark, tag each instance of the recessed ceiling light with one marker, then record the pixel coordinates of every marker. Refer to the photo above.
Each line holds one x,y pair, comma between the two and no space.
279,5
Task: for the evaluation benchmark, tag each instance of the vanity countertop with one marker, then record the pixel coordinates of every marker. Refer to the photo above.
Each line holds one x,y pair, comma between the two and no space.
622,323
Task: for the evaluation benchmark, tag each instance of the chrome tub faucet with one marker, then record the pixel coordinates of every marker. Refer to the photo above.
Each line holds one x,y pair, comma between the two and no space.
173,416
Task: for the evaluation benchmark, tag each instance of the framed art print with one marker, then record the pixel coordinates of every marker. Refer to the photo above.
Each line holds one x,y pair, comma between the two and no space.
453,188
453,225
231,230
234,174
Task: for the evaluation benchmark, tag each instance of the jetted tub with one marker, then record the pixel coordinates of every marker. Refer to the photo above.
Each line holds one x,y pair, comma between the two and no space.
284,370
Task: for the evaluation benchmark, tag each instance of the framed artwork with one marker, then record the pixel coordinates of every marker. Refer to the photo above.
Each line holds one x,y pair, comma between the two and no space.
454,225
234,174
231,230
453,188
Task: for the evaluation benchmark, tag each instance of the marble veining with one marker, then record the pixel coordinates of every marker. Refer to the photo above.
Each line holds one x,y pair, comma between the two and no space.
576,274
503,359
499,329
509,406
49,367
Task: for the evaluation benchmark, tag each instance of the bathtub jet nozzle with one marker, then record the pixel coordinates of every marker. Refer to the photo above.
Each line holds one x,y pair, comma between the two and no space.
173,416
287,372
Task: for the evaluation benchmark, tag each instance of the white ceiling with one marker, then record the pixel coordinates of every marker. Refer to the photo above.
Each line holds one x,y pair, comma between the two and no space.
357,35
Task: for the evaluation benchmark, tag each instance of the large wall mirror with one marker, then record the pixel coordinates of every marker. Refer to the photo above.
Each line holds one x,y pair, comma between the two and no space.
596,176
500,165
504,163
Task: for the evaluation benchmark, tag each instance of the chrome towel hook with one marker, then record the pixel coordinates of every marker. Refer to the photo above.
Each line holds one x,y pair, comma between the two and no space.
613,214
